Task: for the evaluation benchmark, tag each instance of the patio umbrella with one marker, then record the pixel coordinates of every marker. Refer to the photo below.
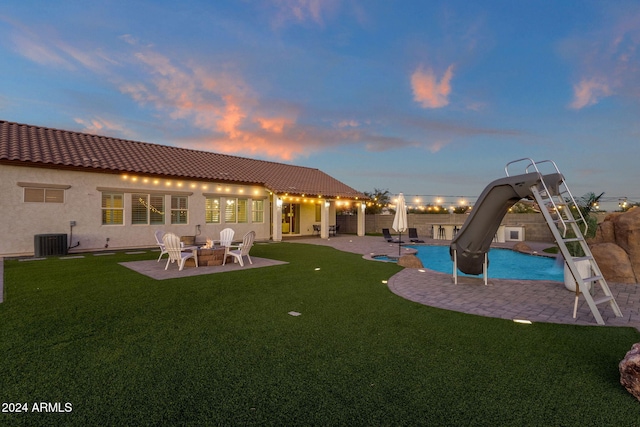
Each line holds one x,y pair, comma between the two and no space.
400,220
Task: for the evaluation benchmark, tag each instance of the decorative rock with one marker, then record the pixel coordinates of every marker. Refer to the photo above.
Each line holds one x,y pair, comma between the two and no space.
605,233
621,229
522,247
410,261
630,371
627,229
613,262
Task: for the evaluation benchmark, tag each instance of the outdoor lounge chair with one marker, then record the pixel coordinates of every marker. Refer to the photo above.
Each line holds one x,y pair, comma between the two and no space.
389,238
413,236
244,248
226,238
159,234
174,249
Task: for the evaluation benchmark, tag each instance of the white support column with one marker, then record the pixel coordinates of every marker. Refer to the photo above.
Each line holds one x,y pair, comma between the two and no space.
361,217
276,219
324,219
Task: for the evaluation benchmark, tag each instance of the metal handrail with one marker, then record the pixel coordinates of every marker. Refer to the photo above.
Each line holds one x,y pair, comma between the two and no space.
535,164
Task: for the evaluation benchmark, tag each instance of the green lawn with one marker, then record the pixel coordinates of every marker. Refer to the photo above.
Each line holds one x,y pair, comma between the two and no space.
124,349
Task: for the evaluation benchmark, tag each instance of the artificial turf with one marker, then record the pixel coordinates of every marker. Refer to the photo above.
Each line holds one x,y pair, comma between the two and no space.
222,349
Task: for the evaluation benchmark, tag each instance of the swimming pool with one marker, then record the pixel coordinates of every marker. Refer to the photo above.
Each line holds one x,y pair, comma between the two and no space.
503,264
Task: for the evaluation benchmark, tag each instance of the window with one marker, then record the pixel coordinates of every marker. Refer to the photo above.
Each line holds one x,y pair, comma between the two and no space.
179,211
243,210
236,210
318,212
230,211
212,210
43,195
257,211
112,209
147,208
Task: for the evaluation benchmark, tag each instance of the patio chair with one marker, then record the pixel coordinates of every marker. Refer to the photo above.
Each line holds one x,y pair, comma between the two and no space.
226,238
244,248
174,249
316,229
413,236
389,238
159,234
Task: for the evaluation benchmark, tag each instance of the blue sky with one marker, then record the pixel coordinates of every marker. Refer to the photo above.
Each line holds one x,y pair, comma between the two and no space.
428,98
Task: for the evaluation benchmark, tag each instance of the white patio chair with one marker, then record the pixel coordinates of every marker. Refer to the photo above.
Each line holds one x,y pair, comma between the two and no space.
226,237
243,248
159,234
174,249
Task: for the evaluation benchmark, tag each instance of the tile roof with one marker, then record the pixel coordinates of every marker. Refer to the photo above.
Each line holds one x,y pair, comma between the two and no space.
36,146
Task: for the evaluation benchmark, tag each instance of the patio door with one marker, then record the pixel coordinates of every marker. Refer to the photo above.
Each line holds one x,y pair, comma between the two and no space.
291,218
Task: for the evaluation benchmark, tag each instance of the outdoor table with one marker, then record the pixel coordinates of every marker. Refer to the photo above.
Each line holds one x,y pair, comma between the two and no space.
445,231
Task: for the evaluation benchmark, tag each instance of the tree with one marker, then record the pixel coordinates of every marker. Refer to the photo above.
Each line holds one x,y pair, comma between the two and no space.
378,200
625,204
523,207
588,204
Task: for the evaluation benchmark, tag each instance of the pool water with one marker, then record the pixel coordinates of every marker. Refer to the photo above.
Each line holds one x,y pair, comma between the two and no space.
503,264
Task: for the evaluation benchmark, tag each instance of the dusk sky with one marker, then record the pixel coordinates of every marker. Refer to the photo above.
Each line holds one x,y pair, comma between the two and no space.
428,98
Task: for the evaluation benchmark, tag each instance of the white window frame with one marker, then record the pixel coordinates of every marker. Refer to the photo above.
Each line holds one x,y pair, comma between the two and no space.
233,213
48,191
257,211
213,214
112,209
177,209
154,215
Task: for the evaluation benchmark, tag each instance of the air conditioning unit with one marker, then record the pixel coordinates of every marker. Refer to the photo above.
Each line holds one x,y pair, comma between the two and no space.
514,234
50,244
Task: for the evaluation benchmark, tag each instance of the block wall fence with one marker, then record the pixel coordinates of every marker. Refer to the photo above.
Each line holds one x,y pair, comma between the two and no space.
536,228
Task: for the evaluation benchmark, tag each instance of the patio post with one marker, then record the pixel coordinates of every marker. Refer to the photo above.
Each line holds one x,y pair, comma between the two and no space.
361,218
324,219
276,218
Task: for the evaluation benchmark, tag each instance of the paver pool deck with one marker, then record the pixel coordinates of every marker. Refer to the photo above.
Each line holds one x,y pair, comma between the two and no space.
533,300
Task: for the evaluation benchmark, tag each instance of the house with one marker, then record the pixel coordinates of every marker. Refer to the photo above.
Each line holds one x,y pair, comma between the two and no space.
112,193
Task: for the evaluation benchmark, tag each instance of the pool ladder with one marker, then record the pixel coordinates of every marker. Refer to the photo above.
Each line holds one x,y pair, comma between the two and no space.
558,205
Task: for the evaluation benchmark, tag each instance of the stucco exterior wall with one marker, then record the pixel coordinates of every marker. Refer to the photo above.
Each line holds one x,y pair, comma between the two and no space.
83,201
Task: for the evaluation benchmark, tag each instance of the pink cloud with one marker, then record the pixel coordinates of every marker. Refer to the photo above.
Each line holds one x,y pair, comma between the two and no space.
428,91
47,49
274,125
39,52
589,92
227,111
101,126
303,10
607,59
231,118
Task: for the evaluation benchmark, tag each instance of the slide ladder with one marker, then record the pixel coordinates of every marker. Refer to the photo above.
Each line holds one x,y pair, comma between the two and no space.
568,226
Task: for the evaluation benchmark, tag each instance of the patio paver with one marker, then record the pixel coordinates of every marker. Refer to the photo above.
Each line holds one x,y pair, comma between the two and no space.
155,269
